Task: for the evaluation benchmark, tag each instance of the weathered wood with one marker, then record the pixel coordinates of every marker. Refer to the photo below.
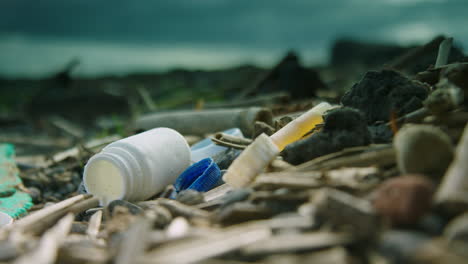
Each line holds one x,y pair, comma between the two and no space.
46,252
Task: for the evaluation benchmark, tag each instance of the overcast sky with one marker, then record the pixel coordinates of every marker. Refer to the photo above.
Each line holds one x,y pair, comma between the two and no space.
119,36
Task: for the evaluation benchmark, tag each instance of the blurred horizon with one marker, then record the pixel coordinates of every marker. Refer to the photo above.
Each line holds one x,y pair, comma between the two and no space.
38,38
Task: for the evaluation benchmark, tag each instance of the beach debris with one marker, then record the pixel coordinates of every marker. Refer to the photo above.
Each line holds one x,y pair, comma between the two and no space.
137,167
344,128
46,251
14,201
264,149
330,185
219,143
421,58
206,121
201,176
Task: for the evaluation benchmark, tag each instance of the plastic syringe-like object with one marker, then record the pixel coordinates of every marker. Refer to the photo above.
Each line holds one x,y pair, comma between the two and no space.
264,149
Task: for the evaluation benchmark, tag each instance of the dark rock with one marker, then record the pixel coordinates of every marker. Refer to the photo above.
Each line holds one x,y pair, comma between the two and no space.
132,208
289,75
344,128
380,93
381,134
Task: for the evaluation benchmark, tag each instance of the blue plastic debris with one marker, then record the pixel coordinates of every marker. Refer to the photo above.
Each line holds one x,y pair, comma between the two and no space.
201,176
207,149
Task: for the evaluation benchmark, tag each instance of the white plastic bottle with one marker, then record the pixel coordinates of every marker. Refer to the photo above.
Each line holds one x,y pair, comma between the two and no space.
137,167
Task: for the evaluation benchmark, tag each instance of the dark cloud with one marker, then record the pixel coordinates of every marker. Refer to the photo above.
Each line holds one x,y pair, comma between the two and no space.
237,22
257,29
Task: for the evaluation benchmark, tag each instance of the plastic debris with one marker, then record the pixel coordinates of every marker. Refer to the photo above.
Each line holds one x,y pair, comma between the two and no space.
13,201
201,176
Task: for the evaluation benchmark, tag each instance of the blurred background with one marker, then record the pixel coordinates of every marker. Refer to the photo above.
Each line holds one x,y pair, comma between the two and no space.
119,36
76,69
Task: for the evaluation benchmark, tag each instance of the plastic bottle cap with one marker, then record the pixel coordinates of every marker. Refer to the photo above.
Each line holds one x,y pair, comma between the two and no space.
201,176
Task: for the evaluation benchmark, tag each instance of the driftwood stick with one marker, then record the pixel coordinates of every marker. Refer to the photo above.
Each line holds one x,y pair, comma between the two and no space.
381,156
196,250
40,220
94,225
135,241
444,52
49,244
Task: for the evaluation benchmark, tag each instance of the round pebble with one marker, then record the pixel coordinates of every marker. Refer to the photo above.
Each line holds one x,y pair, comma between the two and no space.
405,199
190,197
423,149
132,208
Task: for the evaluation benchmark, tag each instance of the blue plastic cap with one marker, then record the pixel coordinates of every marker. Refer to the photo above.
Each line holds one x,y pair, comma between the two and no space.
201,176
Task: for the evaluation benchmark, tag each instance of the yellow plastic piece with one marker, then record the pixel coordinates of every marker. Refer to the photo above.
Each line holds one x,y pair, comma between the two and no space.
297,128
264,149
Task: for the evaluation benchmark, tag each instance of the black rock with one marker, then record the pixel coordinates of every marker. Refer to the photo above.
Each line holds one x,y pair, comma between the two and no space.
344,128
381,134
291,76
380,93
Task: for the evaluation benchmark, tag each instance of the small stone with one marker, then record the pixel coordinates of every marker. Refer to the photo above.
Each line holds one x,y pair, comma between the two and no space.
132,208
343,211
423,149
70,187
190,197
405,199
35,194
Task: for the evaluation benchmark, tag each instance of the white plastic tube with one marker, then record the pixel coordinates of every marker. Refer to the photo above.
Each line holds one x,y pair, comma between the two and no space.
137,167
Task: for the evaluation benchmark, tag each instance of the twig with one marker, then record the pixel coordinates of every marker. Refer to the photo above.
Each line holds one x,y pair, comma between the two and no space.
94,225
444,52
49,244
40,220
